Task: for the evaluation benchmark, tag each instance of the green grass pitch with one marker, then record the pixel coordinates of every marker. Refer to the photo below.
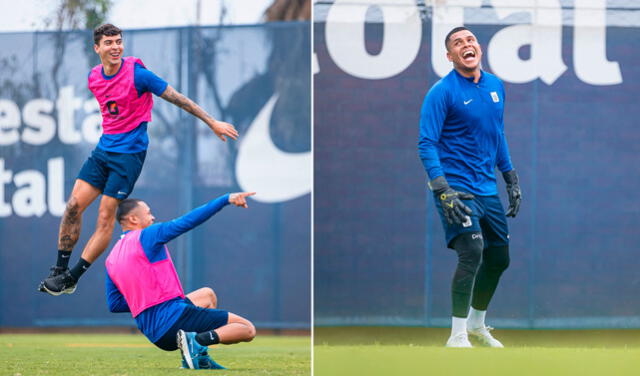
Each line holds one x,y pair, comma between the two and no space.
404,351
133,355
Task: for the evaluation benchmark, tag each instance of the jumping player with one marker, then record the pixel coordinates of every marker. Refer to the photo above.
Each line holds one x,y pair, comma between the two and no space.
461,143
123,87
141,279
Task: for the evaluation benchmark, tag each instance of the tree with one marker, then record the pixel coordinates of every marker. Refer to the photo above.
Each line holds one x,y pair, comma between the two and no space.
288,10
80,14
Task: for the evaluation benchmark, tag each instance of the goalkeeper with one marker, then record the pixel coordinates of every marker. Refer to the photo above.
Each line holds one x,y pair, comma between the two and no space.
461,143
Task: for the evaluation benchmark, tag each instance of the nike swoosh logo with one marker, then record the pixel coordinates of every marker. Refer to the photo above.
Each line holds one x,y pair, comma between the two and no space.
262,167
467,102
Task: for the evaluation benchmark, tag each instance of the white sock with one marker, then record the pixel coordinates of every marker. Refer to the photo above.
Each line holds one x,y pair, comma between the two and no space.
476,318
458,325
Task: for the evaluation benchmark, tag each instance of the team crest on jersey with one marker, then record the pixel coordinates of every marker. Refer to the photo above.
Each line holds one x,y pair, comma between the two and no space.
112,107
495,97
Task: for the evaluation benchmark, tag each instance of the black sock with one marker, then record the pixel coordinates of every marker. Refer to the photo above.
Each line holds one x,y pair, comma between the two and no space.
79,268
208,338
63,259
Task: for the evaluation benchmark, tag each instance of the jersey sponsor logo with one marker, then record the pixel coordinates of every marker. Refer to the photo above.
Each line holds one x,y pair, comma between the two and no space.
495,97
476,236
112,107
467,102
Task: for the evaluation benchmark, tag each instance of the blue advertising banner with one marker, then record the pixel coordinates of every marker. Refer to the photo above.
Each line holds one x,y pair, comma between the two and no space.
255,77
570,77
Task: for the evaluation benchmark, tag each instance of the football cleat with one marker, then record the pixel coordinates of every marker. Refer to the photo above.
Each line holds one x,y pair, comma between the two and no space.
458,340
205,362
190,348
483,336
60,281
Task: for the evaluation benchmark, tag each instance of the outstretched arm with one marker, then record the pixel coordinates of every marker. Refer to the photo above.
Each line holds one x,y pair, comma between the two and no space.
160,233
220,128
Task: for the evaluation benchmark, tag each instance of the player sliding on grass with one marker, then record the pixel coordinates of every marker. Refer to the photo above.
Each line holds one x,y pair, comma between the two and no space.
141,279
461,142
123,87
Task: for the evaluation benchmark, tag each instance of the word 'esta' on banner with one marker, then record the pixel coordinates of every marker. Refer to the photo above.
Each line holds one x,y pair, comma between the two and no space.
40,125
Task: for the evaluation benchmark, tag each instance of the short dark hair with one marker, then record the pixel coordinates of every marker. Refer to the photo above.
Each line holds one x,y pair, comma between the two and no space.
106,30
453,31
125,207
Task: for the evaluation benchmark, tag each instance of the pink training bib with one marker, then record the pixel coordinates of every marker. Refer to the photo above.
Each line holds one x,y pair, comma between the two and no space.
122,109
143,284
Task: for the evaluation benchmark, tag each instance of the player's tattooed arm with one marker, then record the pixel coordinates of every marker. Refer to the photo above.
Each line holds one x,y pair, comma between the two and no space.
220,128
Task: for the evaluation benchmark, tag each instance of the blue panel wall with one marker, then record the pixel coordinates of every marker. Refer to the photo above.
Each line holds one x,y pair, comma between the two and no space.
257,260
379,251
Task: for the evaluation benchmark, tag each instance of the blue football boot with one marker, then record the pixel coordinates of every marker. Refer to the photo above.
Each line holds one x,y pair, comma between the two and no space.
190,348
206,362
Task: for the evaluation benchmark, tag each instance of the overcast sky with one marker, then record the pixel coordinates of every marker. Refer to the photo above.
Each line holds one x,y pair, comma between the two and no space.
29,15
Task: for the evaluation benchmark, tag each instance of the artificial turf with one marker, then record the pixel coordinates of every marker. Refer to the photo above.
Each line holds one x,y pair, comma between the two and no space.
133,355
419,351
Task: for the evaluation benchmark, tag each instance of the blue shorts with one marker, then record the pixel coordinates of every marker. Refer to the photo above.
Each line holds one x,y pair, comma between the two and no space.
487,217
193,319
114,174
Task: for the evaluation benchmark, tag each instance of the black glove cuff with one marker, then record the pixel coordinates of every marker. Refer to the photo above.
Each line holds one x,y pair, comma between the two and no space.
438,185
510,177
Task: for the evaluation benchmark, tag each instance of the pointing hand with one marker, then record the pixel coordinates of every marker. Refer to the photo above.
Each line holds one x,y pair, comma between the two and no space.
240,198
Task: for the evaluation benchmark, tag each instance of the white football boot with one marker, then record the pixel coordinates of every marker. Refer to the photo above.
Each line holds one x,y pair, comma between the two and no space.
459,340
484,337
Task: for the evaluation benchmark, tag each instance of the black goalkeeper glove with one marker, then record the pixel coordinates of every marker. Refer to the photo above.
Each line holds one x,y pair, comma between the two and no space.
513,191
455,211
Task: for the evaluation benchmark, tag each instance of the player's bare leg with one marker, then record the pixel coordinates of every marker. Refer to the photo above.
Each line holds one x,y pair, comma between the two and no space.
238,329
101,238
204,297
82,195
193,346
65,283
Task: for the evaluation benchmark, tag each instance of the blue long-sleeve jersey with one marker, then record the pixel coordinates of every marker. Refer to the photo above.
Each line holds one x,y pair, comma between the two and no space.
462,132
154,321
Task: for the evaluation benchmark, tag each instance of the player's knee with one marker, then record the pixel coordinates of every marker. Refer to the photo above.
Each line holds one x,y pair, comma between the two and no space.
106,220
469,248
498,258
211,297
248,330
251,331
72,210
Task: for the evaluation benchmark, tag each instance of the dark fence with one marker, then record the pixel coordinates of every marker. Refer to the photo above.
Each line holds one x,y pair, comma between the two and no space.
571,123
256,77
